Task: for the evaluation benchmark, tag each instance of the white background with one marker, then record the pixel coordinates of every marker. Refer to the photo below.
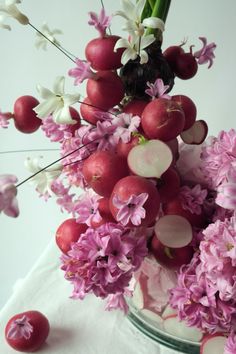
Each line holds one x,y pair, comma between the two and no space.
22,66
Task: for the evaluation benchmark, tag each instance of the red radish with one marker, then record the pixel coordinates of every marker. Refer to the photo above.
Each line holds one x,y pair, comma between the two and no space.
162,119
169,257
171,54
106,90
179,329
89,112
168,185
123,149
174,146
104,211
213,343
27,331
135,107
25,118
174,231
196,134
174,207
186,66
150,159
100,53
74,115
103,169
135,185
69,231
189,108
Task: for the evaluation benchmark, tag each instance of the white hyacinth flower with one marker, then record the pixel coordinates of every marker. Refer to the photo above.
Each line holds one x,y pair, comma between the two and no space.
8,8
134,48
41,42
43,179
56,102
132,13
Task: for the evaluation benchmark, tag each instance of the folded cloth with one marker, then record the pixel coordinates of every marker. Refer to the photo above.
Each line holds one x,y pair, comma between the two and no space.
77,327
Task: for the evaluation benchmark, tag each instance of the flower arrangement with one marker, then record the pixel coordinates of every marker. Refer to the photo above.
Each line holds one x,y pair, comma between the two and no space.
158,198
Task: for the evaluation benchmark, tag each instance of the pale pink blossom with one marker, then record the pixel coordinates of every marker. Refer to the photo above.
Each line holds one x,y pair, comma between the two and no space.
157,89
81,72
101,22
130,210
64,198
55,132
20,328
218,154
4,119
230,346
116,301
8,191
86,209
226,192
103,135
126,124
206,53
192,199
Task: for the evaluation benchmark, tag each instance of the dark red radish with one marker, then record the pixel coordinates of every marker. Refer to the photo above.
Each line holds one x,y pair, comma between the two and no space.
168,185
27,331
103,169
186,66
135,186
196,134
100,53
105,213
189,108
69,231
123,149
174,146
169,257
106,90
213,343
162,119
25,118
89,112
171,54
135,107
174,207
75,116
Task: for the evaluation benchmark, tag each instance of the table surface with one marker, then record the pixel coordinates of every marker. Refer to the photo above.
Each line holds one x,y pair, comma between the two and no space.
76,326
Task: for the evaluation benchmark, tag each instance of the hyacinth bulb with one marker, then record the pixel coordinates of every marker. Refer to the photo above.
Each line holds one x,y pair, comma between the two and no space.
135,75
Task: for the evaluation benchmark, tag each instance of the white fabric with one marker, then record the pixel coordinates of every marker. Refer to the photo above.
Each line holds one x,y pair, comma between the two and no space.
77,327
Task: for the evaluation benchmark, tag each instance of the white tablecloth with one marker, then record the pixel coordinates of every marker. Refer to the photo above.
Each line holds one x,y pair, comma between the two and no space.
77,327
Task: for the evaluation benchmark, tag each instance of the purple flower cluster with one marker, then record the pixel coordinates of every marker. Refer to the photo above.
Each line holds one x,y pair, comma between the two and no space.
206,292
103,260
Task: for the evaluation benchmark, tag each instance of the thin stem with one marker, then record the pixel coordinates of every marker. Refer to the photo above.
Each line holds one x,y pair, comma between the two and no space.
53,163
31,150
109,28
58,47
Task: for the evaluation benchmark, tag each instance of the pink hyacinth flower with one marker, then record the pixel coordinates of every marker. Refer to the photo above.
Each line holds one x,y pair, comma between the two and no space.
206,53
4,119
230,346
8,191
20,328
131,209
157,89
81,72
101,22
226,196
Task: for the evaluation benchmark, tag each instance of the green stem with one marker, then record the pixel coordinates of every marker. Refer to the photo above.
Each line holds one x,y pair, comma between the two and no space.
160,10
152,3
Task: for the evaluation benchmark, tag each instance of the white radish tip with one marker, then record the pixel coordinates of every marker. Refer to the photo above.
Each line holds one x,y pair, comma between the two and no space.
196,134
213,343
150,159
173,231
